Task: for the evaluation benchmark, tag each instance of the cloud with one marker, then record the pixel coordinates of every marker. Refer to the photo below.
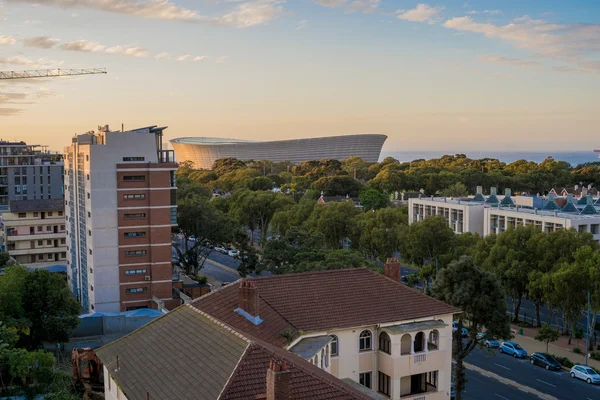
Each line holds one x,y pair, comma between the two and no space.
221,60
184,57
43,42
332,3
129,51
490,12
302,24
570,43
7,40
422,13
200,58
517,62
9,112
251,13
162,55
157,9
24,61
365,6
85,46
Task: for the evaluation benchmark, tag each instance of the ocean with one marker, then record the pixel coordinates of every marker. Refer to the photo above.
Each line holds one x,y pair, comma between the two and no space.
574,158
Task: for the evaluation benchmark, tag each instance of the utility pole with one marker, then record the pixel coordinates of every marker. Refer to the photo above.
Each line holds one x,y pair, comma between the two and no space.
587,334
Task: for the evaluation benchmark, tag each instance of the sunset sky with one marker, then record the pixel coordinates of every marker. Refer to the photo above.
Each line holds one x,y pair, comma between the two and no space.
447,75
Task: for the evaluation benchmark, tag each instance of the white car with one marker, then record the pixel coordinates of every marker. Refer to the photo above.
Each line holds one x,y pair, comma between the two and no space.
220,249
585,373
232,253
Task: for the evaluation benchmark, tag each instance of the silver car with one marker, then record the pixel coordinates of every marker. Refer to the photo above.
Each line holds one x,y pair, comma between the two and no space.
585,373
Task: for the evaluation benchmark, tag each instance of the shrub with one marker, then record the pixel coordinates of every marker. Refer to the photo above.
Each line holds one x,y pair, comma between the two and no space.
564,361
577,350
202,279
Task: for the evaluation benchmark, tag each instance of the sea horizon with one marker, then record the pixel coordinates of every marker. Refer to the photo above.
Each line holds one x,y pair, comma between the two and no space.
572,157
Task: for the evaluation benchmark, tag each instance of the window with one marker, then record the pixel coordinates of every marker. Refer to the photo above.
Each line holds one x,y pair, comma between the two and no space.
92,288
40,242
90,252
136,290
432,378
39,228
60,213
365,341
88,195
134,196
594,229
48,242
62,227
136,253
87,177
22,215
135,216
87,157
138,178
91,270
89,214
384,384
49,213
126,159
334,346
40,256
48,228
136,271
134,234
35,214
385,344
364,378
89,233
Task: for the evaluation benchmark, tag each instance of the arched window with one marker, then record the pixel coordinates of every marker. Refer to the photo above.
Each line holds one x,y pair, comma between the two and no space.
419,338
335,346
316,361
365,342
327,357
405,344
322,358
385,343
434,339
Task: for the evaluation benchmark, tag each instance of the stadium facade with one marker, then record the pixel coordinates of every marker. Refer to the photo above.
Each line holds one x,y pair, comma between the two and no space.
204,151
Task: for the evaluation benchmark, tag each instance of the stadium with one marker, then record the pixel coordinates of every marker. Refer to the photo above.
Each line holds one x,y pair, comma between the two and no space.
204,151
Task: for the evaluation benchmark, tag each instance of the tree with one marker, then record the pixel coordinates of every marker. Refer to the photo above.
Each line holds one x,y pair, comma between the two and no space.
335,221
372,199
456,190
198,218
4,258
512,259
480,297
547,334
425,241
260,183
225,165
377,234
337,186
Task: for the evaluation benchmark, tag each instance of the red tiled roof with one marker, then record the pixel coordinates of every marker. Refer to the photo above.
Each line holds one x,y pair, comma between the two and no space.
308,382
321,301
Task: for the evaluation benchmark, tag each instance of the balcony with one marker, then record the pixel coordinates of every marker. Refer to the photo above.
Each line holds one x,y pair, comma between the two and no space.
426,396
421,362
39,250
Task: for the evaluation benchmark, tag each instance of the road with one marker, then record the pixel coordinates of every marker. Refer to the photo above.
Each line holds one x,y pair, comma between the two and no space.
556,383
480,387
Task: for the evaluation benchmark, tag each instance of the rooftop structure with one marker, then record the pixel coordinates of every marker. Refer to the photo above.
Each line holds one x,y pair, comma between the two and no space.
353,323
203,152
188,354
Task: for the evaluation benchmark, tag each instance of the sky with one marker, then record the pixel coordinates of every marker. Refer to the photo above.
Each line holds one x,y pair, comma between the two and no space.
511,75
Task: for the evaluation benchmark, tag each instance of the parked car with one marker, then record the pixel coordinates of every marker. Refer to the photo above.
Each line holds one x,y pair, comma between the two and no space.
545,360
513,349
220,249
489,342
192,238
464,332
585,373
232,253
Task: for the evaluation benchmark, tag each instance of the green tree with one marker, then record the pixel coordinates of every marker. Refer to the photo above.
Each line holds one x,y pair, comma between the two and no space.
260,183
377,234
480,297
335,221
372,199
512,259
457,189
4,258
547,334
226,165
30,367
425,241
197,218
337,186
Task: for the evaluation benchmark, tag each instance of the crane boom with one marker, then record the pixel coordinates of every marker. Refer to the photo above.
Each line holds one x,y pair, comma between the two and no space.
49,73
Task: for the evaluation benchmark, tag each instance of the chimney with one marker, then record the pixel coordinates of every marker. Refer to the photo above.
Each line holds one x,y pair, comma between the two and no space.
249,301
392,269
279,381
493,191
479,189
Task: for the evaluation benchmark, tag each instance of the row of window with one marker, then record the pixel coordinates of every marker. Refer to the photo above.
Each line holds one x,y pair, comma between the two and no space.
141,196
127,159
136,271
136,290
134,178
365,342
135,216
134,234
136,253
36,214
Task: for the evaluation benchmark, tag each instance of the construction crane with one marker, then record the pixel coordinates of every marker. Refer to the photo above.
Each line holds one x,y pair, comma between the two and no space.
49,73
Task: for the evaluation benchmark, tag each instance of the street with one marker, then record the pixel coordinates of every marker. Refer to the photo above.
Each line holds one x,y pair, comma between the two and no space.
480,387
556,383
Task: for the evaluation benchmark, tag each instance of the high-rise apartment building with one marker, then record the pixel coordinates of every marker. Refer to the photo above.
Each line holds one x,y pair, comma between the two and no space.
120,209
28,173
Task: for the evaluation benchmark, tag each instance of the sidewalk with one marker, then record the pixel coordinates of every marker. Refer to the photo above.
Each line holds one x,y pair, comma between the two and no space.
528,342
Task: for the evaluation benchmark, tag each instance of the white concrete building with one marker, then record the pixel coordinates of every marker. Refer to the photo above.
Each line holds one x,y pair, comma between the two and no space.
462,215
